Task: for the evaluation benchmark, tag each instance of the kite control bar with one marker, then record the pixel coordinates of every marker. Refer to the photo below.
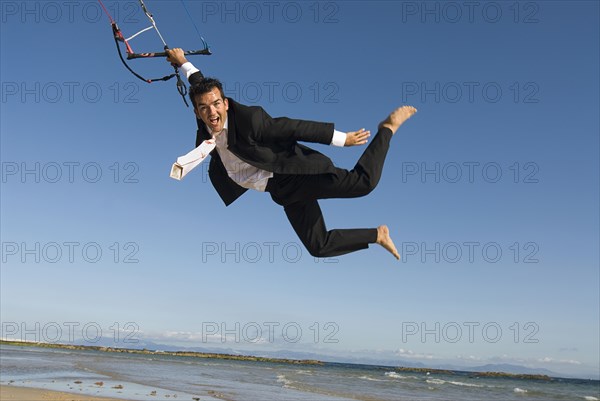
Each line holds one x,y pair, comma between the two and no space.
205,52
119,38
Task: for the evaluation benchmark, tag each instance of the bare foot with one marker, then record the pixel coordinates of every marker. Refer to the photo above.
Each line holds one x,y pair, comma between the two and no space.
383,239
397,118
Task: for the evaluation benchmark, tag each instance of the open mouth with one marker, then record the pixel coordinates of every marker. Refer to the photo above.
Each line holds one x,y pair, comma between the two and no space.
214,120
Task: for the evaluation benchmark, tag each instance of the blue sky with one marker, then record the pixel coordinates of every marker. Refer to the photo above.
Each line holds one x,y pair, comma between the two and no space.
491,191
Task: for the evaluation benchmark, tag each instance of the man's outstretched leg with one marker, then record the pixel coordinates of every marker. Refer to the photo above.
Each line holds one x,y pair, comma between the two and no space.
307,220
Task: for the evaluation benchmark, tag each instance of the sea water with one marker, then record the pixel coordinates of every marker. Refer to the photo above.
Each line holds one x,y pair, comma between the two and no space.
163,377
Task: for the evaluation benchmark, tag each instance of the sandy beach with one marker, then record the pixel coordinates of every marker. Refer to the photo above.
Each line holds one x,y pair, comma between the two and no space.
10,393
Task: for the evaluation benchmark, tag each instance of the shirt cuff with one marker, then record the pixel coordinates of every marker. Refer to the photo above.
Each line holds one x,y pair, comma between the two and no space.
188,68
339,138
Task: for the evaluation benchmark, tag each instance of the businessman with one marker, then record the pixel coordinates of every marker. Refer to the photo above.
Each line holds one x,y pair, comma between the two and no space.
255,151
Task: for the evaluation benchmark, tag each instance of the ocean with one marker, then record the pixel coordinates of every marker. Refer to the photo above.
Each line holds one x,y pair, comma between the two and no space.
162,377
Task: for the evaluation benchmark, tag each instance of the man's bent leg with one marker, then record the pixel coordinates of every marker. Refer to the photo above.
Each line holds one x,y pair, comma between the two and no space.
287,189
369,167
307,220
366,174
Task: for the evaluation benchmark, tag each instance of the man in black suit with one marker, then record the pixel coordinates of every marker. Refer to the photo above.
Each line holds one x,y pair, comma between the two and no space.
255,151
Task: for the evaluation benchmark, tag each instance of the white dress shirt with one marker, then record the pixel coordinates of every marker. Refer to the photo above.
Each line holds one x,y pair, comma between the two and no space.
244,174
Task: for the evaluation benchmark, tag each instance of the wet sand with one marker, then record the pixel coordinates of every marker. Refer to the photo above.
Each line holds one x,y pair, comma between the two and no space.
10,393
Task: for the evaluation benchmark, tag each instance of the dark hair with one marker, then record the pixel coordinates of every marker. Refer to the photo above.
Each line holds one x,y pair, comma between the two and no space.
205,86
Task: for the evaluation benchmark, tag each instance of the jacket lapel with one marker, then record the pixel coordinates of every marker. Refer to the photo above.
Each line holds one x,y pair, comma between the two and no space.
231,128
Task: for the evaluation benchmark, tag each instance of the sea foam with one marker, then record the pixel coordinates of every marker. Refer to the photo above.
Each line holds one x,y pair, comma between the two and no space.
455,383
394,375
284,380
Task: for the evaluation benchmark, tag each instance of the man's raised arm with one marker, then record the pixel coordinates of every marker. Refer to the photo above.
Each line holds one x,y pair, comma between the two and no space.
177,57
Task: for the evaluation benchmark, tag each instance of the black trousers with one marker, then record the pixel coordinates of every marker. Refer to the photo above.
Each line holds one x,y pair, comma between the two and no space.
299,195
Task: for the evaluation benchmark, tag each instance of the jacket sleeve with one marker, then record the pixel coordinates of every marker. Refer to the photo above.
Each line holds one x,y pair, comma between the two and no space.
286,129
195,78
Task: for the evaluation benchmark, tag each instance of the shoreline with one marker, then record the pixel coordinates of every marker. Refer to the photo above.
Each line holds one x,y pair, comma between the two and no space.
251,358
17,393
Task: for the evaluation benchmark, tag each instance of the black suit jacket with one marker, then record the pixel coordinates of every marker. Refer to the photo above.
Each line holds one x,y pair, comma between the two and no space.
267,143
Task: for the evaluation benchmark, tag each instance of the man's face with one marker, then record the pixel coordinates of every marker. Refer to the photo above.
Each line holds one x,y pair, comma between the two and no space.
212,109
